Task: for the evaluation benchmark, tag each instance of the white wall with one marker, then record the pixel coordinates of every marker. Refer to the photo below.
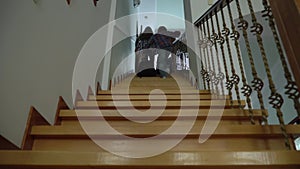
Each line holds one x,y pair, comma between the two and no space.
150,10
199,7
123,43
192,41
147,17
174,8
39,45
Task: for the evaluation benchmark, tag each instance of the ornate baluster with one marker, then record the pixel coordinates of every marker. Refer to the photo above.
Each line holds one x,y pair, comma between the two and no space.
221,42
292,88
257,83
218,38
246,89
276,99
204,46
214,80
234,79
209,71
212,72
203,71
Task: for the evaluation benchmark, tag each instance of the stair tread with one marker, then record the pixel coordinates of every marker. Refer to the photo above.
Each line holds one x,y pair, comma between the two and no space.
157,127
147,91
187,144
167,114
168,104
56,159
153,97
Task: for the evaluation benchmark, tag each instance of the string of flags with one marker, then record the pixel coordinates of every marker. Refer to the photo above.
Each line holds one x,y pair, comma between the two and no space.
95,2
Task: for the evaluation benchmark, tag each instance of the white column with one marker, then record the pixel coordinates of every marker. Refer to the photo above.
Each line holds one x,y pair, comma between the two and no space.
109,42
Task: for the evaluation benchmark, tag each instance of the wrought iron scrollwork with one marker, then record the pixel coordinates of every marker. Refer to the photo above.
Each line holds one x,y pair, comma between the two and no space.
235,35
203,72
257,29
221,40
292,90
257,84
214,37
247,90
235,79
243,24
267,12
229,85
226,32
276,100
221,76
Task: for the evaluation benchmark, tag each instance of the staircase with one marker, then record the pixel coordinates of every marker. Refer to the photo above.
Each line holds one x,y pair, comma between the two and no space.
234,144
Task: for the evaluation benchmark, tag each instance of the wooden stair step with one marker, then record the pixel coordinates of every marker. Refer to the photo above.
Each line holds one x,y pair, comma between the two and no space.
200,160
143,120
149,88
147,91
151,79
153,97
158,104
135,130
158,84
168,114
186,145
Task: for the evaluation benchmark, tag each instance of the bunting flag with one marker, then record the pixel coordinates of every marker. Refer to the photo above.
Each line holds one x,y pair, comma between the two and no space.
95,2
69,2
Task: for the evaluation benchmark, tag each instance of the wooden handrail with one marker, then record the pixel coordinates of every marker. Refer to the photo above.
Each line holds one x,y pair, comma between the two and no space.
212,10
286,14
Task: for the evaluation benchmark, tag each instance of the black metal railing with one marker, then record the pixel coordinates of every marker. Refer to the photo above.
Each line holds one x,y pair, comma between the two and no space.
220,45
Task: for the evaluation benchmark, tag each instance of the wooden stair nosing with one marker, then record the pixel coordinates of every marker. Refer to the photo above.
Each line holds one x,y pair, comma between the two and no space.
168,160
146,97
110,115
143,92
185,145
160,84
251,131
146,105
132,88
